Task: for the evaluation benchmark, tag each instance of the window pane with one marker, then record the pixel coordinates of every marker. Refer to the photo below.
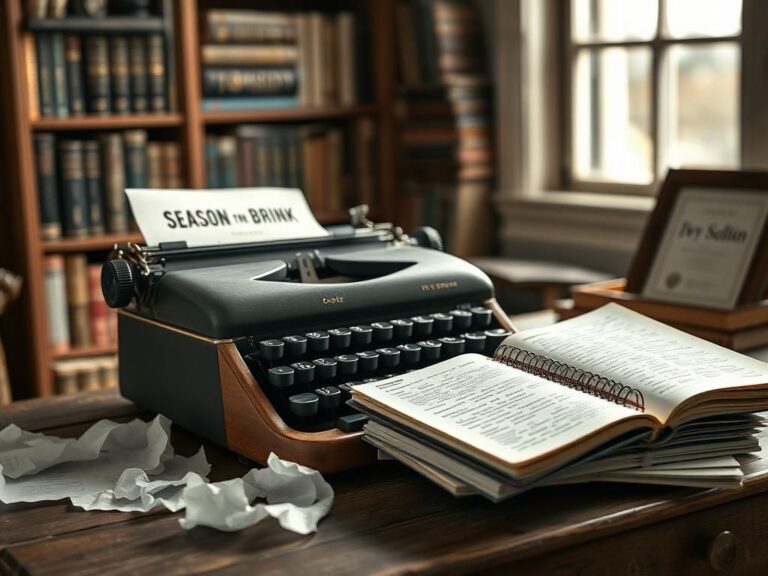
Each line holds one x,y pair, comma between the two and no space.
691,18
614,19
612,115
702,116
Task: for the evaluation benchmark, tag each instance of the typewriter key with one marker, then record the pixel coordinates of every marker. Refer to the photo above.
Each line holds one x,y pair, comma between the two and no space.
271,349
318,341
388,358
303,405
481,317
403,328
382,331
453,346
430,350
368,361
443,322
475,342
329,398
281,376
410,353
422,325
361,335
325,368
304,372
295,345
351,422
494,338
347,364
340,337
462,319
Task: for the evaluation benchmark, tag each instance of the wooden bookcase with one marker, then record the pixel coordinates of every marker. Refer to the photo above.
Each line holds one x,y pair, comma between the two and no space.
21,247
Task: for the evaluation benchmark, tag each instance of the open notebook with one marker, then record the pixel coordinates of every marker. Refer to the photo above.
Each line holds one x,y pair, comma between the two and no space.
610,387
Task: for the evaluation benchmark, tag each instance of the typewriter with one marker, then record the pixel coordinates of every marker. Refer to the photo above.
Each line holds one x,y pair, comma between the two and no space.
257,346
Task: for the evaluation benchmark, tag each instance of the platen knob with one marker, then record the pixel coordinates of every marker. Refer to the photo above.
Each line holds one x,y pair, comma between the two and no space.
117,283
428,237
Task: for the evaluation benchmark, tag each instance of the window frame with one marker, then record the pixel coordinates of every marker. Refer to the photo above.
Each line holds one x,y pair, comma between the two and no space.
659,46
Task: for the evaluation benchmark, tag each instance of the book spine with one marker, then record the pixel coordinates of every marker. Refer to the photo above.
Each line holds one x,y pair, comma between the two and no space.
74,60
249,55
60,96
74,200
65,377
212,179
57,8
171,156
88,375
112,169
47,192
56,304
156,73
154,165
120,79
345,56
330,62
227,155
77,299
44,49
293,159
97,308
108,372
249,81
316,58
97,75
93,186
249,103
253,27
135,152
138,68
31,66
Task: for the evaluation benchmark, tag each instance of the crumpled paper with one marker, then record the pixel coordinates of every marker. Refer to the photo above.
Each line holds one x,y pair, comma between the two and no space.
297,496
36,467
132,468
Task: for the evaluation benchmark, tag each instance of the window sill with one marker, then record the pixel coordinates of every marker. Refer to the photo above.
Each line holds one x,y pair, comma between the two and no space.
604,221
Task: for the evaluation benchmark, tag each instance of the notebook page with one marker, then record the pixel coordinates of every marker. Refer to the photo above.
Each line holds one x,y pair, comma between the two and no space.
507,413
665,364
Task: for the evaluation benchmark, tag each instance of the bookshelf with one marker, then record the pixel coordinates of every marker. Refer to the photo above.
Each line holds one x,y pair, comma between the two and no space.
22,248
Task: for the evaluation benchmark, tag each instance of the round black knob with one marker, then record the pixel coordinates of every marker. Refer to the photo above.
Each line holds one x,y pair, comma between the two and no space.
117,283
427,237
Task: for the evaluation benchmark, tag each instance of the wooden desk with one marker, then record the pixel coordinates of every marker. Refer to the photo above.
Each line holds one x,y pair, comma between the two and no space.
387,520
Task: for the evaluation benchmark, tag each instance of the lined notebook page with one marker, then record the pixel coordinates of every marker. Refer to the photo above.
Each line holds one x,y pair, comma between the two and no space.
504,412
665,364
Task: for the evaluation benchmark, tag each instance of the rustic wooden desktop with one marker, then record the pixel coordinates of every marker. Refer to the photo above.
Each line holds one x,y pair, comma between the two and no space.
388,520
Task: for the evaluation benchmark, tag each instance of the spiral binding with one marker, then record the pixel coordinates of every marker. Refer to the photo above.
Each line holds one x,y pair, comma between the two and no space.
570,376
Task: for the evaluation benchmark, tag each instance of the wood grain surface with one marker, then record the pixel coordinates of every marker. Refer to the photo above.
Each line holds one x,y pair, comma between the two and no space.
388,520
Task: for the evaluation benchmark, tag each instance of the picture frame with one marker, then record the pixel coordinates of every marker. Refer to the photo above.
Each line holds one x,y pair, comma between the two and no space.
706,241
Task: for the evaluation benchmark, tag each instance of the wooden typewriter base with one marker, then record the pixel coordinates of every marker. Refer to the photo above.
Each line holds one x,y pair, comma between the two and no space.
204,385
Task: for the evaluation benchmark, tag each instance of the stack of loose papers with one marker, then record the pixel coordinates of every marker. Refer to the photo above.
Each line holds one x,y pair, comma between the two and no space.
446,446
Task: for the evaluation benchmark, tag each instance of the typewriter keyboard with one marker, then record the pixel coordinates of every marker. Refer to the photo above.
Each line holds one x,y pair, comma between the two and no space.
308,376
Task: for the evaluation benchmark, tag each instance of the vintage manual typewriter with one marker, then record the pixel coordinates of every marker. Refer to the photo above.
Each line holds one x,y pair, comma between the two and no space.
256,346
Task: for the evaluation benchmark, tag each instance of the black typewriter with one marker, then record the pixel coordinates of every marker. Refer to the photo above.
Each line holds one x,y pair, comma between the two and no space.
257,346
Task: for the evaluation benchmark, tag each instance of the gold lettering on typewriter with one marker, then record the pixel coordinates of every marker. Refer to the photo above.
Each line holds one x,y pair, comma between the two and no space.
333,300
434,286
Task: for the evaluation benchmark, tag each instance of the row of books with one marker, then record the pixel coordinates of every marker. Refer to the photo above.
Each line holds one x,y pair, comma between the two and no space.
77,314
335,169
81,183
88,8
254,59
446,117
93,373
71,75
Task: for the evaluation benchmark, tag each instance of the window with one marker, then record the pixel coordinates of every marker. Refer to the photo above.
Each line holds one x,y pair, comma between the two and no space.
650,84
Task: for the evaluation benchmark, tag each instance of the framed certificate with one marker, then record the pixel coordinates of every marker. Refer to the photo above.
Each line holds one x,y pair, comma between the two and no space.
706,242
